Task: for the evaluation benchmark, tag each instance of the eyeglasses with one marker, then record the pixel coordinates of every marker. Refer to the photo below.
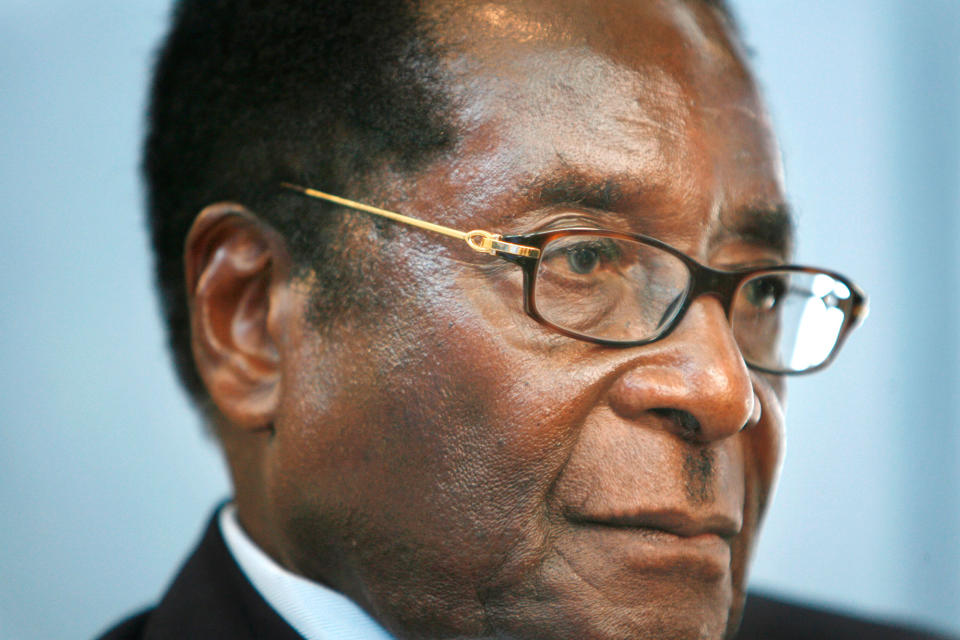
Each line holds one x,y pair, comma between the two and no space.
625,290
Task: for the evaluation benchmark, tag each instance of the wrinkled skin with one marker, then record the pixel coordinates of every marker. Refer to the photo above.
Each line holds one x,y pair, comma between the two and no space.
458,469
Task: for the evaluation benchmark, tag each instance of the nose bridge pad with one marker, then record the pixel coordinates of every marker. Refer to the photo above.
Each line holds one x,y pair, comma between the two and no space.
668,315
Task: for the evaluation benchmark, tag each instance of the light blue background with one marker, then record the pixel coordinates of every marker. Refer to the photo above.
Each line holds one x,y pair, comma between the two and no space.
106,478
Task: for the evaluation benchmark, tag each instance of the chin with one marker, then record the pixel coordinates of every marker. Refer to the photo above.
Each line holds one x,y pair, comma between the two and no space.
562,604
674,621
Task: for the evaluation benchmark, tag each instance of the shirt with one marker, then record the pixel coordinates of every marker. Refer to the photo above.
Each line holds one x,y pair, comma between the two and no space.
315,611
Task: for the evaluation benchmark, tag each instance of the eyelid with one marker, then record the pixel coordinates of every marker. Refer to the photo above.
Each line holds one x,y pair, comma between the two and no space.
566,217
746,255
749,265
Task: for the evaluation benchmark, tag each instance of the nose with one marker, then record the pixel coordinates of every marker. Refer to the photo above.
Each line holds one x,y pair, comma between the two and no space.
694,381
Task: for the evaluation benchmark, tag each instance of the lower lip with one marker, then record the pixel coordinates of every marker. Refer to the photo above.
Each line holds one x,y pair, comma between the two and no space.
705,556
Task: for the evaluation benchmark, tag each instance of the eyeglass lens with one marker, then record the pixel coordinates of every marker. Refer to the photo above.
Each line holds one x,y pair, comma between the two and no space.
626,291
789,320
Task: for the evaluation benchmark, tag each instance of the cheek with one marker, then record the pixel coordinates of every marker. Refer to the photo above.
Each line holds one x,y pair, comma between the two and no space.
765,442
763,446
419,467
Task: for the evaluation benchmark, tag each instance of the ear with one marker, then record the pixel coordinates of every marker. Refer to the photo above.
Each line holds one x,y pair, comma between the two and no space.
236,270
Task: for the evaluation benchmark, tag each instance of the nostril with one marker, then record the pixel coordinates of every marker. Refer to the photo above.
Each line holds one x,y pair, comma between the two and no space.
684,422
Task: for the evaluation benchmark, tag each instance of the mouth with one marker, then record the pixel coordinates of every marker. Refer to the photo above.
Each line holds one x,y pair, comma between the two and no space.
680,524
665,542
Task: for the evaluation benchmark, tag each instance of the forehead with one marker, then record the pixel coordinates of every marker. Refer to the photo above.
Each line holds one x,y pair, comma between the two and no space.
650,101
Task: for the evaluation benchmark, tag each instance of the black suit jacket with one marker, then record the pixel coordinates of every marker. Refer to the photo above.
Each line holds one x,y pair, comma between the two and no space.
211,599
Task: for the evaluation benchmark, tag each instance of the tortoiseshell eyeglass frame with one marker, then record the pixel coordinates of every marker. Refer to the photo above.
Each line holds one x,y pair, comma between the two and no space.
525,250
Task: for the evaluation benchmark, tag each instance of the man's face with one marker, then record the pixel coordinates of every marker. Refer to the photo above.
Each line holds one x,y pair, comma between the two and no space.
459,469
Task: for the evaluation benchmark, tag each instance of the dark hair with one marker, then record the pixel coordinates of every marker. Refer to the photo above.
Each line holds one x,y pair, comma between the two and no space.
249,93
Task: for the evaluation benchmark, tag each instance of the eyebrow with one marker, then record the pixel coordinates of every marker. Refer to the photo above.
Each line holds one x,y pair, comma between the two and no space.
772,226
574,187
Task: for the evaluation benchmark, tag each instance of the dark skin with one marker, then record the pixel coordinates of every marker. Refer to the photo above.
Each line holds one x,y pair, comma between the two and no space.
456,468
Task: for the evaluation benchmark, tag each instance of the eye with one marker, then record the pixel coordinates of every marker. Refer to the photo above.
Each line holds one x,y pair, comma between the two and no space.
588,256
583,259
764,293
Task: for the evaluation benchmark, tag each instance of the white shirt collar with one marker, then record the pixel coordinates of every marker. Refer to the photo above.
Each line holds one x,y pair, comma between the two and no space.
315,611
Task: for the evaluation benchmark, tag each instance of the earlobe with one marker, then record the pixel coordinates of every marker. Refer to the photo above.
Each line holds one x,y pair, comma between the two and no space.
236,269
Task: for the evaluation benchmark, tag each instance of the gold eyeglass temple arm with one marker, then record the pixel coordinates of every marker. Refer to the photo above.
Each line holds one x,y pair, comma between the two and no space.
481,241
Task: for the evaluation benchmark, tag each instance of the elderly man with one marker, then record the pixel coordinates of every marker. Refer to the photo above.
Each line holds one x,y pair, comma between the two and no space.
489,306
